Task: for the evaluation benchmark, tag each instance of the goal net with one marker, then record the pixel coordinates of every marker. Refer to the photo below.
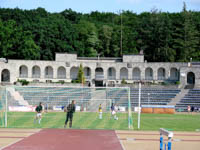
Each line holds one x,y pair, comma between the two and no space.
22,102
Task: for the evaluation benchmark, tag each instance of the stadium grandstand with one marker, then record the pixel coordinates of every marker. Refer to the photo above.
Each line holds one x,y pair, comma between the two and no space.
102,72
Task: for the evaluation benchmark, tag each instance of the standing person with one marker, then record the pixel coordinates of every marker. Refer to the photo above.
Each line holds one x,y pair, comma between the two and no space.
70,110
189,108
113,111
100,112
192,109
38,110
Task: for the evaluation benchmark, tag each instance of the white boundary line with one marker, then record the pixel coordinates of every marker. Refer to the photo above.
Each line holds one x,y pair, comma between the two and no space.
71,87
11,143
120,141
1,148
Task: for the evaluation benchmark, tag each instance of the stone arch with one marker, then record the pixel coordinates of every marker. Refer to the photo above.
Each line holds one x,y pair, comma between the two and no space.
99,73
136,73
23,71
111,73
124,73
36,72
174,74
5,75
148,73
74,73
190,78
49,72
87,72
161,73
61,72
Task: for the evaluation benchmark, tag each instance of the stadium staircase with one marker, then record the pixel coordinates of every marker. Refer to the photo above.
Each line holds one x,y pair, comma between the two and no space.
96,96
16,99
178,97
192,98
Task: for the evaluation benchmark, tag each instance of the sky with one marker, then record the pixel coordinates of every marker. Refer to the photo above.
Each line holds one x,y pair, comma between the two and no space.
87,6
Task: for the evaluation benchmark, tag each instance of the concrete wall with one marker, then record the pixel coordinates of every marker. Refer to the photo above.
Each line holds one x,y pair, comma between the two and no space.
66,57
133,58
184,73
69,61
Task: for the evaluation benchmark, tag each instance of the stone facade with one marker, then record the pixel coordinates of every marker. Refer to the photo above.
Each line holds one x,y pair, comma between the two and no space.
98,71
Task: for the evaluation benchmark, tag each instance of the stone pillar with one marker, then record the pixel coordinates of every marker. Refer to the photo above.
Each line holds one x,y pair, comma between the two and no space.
68,72
155,74
117,73
92,73
42,72
105,73
55,69
167,73
142,73
30,71
130,73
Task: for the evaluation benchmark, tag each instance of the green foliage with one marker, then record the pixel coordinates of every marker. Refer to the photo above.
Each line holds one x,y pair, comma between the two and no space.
151,122
38,34
81,77
23,82
123,81
75,81
177,82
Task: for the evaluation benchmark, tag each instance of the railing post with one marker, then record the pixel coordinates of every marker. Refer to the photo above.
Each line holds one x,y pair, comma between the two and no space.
169,143
161,141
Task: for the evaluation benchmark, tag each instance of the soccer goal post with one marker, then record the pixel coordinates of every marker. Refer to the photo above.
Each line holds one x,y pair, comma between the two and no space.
3,107
22,101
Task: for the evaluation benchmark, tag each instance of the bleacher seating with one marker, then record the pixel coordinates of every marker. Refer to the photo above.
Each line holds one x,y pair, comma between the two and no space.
148,96
53,95
118,96
153,96
192,98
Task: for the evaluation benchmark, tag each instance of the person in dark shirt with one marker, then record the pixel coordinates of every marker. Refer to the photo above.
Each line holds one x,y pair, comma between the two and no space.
70,110
39,113
113,111
192,108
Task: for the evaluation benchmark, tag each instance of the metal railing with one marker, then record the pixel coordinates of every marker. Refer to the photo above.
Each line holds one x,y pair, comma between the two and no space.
111,77
23,75
49,76
99,76
124,77
148,78
36,76
161,78
61,77
136,78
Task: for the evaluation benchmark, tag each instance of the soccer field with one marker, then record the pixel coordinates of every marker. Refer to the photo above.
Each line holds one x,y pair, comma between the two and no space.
88,120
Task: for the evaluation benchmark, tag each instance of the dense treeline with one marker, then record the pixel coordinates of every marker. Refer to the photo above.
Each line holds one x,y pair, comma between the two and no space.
38,34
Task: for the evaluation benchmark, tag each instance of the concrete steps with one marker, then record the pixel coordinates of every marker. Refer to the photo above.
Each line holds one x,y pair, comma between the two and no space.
178,97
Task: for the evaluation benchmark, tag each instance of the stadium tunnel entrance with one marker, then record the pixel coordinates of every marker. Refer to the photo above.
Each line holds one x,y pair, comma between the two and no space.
99,83
191,78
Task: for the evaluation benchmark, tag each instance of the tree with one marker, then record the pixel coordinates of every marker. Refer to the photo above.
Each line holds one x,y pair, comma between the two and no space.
88,37
105,36
81,76
185,37
16,43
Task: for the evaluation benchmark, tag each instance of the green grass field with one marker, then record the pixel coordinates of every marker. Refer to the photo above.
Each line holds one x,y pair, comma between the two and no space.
88,120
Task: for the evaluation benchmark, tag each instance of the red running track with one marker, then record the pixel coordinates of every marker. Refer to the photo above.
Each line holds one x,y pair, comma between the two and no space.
69,139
